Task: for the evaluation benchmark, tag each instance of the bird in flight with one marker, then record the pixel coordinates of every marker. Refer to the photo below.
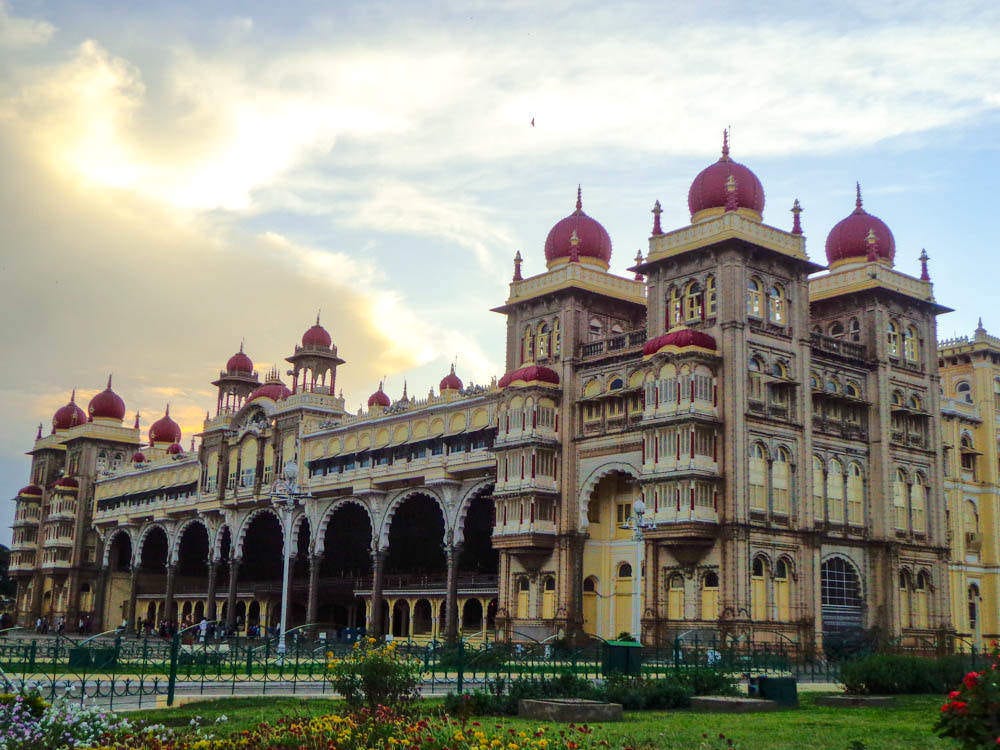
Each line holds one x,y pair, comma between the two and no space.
532,122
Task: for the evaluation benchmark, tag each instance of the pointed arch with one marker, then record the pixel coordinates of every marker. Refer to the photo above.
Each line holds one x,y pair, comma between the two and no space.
401,497
475,492
175,543
592,480
237,542
319,539
106,556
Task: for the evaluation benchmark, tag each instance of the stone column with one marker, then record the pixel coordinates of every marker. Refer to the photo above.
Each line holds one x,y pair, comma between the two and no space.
133,593
234,570
451,595
377,626
168,599
100,595
315,561
211,610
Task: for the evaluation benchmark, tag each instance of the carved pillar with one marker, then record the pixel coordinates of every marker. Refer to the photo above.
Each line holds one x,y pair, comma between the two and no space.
168,599
451,595
133,592
211,611
377,626
314,563
99,598
234,571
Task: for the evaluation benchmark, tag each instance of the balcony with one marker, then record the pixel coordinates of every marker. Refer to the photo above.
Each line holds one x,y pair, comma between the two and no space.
25,545
668,467
529,484
525,536
671,411
830,345
622,343
24,565
538,434
59,542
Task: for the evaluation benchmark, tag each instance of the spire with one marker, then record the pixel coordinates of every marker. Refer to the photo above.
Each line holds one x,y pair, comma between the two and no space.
980,328
872,241
731,201
579,199
109,381
167,412
725,144
796,224
517,266
39,435
318,311
638,261
857,201
135,426
657,210
72,396
405,397
192,443
924,257
241,345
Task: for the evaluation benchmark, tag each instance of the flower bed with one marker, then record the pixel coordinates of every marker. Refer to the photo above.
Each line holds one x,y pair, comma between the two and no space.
28,723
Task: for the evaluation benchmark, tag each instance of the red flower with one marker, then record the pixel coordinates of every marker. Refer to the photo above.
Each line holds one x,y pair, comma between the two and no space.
971,679
954,694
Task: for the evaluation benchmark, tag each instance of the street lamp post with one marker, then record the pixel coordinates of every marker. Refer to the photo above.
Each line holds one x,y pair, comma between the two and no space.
285,494
638,524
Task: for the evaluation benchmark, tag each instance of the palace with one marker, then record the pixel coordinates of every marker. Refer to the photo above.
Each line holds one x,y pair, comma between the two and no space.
737,440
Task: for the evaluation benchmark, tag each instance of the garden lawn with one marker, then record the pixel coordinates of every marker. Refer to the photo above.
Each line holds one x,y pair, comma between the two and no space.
906,725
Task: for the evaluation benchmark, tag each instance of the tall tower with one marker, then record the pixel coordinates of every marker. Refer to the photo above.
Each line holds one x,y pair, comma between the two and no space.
314,364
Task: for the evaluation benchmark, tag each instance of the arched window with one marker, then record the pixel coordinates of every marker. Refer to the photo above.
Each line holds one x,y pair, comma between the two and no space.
543,341
899,494
855,495
904,599
711,299
527,345
624,570
911,344
590,585
842,603
776,312
837,330
693,302
854,330
616,385
596,328
819,487
967,453
755,302
523,596
758,590
918,504
897,398
973,600
892,338
783,590
850,389
921,596
835,491
831,386
675,314
675,597
556,338
781,480
915,403
758,477
964,391
710,596
590,605
779,370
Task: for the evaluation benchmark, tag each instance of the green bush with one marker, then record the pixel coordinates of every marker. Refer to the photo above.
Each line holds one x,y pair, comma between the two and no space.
373,674
636,694
891,674
500,698
705,681
970,714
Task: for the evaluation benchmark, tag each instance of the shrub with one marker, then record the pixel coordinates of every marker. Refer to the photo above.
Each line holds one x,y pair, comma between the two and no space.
373,674
500,698
703,681
636,693
891,674
970,714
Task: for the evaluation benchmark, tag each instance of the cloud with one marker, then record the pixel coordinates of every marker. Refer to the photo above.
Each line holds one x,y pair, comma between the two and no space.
17,33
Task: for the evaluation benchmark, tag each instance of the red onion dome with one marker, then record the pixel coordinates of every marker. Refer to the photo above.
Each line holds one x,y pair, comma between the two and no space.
379,398
317,336
239,363
165,429
679,338
69,415
30,490
107,405
859,235
712,187
273,389
578,238
138,457
451,381
67,483
175,450
530,374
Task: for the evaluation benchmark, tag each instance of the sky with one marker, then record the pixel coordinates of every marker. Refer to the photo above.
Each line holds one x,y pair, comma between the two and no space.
178,177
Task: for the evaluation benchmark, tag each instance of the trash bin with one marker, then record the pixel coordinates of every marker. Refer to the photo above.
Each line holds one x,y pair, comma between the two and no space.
79,658
102,658
782,690
622,657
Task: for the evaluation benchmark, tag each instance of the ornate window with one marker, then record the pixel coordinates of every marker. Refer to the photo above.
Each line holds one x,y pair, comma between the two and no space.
854,329
755,304
781,479
973,600
782,590
837,330
693,302
711,300
556,338
543,341
904,599
918,504
776,305
624,570
758,477
835,492
527,346
921,592
819,485
758,589
899,494
675,315
855,495
892,338
675,597
911,344
710,596
964,391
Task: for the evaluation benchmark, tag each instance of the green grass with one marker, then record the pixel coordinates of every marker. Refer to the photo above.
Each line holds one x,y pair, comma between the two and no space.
905,725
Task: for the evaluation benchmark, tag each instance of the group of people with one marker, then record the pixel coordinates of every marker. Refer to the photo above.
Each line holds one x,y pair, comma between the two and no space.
45,625
207,630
